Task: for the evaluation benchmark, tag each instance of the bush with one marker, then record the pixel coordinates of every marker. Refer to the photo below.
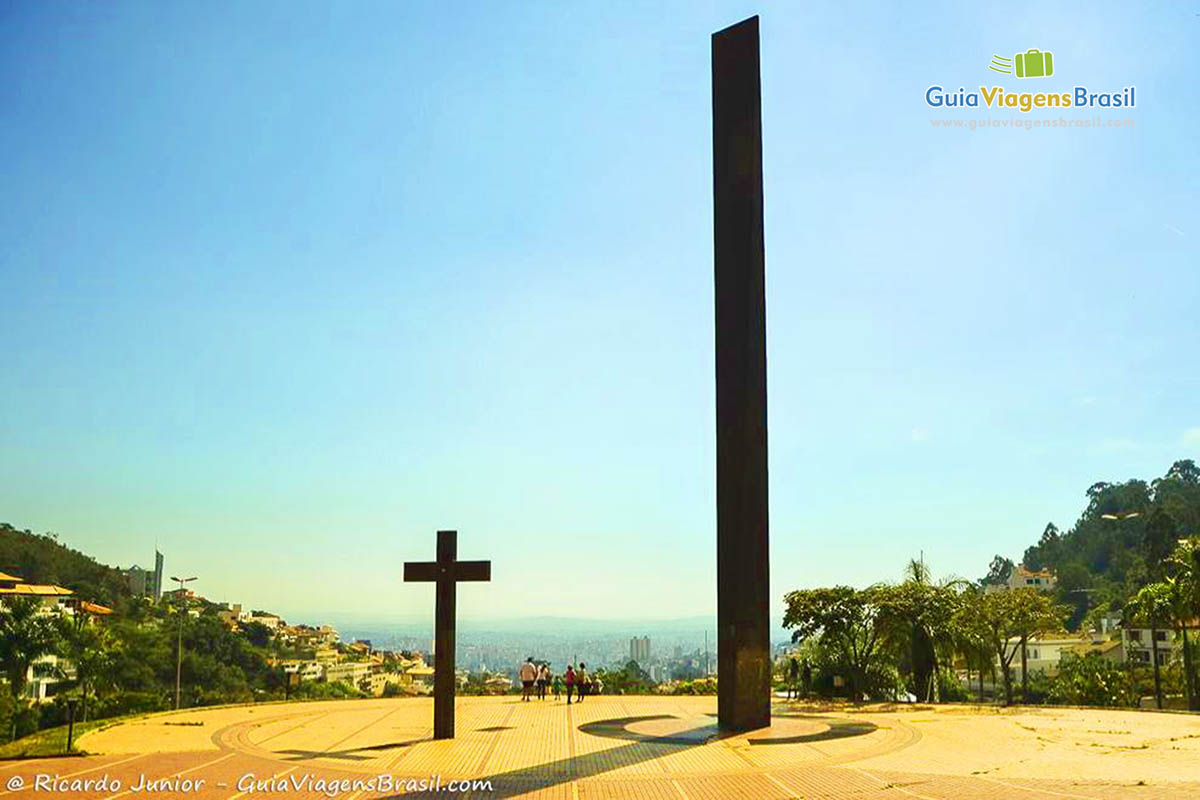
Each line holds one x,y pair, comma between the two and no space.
695,687
1091,680
950,688
320,690
16,716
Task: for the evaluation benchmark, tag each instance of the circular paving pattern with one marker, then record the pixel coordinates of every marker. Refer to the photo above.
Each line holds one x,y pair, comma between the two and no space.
655,746
670,729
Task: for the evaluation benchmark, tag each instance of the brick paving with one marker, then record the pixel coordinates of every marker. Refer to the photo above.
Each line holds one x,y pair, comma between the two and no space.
632,747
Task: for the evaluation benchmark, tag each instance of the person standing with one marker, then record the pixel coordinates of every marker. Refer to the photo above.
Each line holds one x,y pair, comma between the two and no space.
793,690
556,683
543,678
528,674
807,673
581,681
569,679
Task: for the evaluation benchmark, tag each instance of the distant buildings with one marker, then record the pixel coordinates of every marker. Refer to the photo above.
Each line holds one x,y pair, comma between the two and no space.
639,650
1021,578
52,597
146,582
1045,653
49,672
272,621
1142,643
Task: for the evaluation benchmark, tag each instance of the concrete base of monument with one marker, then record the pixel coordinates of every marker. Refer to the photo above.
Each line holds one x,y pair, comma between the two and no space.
667,747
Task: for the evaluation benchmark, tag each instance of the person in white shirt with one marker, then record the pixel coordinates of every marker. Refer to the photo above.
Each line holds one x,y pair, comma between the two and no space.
528,673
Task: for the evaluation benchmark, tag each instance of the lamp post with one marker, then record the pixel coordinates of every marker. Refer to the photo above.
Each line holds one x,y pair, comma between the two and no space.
71,703
179,641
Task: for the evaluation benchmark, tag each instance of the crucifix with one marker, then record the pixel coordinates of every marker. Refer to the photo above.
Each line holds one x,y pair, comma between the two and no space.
445,573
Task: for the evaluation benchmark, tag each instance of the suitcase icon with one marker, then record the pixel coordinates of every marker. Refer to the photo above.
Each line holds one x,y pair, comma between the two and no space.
1034,63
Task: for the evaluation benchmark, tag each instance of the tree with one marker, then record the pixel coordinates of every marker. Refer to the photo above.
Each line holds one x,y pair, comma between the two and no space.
257,633
1091,680
1184,471
1005,620
26,634
1152,606
999,571
850,621
1184,567
1158,540
88,646
923,612
1045,552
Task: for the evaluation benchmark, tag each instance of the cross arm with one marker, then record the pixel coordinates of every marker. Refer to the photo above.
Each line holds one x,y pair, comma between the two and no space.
473,571
420,571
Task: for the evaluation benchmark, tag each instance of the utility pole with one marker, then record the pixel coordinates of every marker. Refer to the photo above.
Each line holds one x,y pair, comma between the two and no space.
179,640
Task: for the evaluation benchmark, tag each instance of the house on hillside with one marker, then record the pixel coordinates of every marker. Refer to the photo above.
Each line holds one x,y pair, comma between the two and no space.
46,675
1140,644
1045,653
1021,578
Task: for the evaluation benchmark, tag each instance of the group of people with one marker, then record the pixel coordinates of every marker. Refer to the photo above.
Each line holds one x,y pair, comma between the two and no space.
536,678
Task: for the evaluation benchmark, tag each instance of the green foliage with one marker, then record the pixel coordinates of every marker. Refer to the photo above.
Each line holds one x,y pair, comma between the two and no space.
40,558
999,571
950,689
319,690
630,679
1002,620
693,687
1122,539
26,635
1091,680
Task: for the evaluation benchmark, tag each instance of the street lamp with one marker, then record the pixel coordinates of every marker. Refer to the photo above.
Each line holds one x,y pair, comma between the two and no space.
179,645
71,703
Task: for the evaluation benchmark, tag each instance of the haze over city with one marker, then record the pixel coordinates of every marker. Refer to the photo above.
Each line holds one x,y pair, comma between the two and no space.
291,286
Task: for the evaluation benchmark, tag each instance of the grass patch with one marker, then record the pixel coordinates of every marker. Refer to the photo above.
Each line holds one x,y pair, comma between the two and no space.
49,742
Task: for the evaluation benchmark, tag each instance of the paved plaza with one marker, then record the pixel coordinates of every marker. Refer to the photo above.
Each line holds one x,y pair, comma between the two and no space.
632,747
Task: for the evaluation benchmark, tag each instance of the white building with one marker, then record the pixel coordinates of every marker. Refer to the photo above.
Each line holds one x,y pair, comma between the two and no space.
1140,645
1045,653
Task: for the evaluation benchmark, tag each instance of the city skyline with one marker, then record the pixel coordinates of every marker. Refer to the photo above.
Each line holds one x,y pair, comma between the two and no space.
292,287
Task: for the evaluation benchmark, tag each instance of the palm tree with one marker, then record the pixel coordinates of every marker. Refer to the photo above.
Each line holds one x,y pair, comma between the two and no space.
1152,606
26,634
1185,583
927,614
88,646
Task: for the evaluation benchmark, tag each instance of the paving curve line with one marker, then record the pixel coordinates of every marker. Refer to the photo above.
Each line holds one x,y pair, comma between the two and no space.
236,736
907,735
369,725
93,769
179,773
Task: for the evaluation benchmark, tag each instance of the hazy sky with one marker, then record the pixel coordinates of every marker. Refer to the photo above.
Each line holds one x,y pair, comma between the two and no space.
288,286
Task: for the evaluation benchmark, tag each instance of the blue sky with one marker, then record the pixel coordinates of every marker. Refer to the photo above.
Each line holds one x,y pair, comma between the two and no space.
289,286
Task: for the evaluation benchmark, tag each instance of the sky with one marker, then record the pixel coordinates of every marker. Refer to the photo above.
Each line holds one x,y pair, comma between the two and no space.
287,287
